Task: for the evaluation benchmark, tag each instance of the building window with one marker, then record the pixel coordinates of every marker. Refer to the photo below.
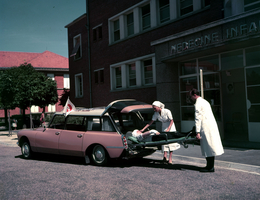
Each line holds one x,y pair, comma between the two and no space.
206,3
34,109
164,9
148,71
99,76
77,47
51,108
118,77
51,76
142,16
94,34
66,81
97,33
146,17
78,85
100,34
131,74
116,30
251,4
130,24
186,6
134,73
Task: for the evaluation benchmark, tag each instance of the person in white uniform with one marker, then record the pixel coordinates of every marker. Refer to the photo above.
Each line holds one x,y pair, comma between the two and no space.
165,116
207,130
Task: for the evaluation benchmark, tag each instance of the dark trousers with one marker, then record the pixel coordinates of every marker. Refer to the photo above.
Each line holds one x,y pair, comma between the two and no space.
210,162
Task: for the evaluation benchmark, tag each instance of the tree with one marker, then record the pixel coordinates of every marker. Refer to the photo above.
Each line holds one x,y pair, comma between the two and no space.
8,90
24,87
64,97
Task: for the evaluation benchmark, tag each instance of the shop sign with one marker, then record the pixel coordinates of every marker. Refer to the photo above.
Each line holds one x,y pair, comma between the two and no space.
214,37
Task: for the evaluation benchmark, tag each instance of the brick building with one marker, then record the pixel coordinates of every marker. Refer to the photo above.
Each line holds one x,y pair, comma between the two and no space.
154,49
51,64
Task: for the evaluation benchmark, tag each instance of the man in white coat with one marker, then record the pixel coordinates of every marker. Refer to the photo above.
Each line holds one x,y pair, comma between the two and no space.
207,130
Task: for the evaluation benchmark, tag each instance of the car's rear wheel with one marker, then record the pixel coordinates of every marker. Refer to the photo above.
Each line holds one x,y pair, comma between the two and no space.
99,155
26,150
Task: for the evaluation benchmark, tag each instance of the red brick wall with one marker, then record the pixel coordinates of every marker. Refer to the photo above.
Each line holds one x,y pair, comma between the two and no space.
103,54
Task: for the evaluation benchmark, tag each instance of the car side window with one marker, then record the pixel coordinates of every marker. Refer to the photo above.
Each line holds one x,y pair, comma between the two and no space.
76,123
58,122
107,124
94,124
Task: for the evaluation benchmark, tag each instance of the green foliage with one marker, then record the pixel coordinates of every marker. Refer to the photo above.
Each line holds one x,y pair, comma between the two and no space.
64,96
9,89
23,86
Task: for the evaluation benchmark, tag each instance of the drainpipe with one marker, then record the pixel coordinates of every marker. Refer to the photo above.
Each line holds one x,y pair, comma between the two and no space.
88,50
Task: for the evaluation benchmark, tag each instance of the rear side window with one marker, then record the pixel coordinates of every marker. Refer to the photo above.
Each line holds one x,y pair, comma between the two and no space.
76,123
58,122
100,124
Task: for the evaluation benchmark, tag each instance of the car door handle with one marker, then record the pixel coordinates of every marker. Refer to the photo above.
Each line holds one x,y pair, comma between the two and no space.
79,135
57,133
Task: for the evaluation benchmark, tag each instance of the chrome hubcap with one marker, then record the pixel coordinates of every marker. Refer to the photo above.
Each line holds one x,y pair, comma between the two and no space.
99,155
25,150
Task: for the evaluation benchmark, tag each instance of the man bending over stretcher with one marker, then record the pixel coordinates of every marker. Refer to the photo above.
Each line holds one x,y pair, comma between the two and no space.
140,136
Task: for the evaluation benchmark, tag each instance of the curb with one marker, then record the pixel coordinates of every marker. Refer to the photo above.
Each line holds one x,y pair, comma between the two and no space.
218,163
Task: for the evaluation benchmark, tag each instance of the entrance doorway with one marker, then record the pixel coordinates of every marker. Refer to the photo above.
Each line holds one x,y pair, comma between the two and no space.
253,102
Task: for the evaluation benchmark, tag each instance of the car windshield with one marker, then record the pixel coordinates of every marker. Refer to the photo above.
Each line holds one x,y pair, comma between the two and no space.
133,120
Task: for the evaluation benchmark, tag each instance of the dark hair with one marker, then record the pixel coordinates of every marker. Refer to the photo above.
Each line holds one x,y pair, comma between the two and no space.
194,91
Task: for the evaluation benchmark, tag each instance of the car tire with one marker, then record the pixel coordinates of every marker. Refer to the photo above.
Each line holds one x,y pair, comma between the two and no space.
26,150
99,155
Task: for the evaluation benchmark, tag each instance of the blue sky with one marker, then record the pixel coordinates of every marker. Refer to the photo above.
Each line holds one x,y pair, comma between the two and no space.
37,25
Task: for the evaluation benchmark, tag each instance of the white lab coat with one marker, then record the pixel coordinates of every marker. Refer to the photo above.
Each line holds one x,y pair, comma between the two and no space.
165,118
206,125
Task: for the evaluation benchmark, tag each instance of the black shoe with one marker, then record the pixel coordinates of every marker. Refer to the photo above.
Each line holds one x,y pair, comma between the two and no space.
165,160
207,170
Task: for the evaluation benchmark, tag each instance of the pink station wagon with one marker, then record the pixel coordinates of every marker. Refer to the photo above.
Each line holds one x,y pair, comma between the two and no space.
97,134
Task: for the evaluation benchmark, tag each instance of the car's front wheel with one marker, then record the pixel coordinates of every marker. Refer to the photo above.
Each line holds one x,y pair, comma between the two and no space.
26,150
99,155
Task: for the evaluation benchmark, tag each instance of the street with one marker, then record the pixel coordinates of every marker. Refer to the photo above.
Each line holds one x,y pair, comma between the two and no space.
60,177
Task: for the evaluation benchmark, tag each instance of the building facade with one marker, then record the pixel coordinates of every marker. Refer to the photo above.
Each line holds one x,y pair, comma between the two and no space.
155,49
51,64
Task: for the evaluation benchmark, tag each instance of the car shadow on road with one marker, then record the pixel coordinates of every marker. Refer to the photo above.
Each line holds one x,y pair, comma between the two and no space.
144,162
56,158
114,163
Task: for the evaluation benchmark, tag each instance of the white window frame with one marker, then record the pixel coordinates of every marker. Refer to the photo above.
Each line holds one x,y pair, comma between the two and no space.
125,76
77,86
174,7
113,25
128,74
51,108
143,16
66,81
159,12
34,109
153,71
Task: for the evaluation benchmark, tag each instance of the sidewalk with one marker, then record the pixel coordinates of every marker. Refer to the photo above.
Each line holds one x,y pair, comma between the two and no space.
233,158
7,140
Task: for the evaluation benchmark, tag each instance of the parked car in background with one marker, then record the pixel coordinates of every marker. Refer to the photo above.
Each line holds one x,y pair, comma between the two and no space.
97,134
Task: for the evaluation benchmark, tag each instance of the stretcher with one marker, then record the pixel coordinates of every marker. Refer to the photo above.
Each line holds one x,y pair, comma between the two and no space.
164,138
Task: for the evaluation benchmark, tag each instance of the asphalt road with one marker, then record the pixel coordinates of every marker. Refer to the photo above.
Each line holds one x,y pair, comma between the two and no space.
59,177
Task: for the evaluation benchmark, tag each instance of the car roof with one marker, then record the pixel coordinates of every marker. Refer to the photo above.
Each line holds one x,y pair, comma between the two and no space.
87,111
123,106
126,106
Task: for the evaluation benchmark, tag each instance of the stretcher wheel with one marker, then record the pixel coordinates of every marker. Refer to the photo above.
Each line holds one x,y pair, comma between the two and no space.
185,145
